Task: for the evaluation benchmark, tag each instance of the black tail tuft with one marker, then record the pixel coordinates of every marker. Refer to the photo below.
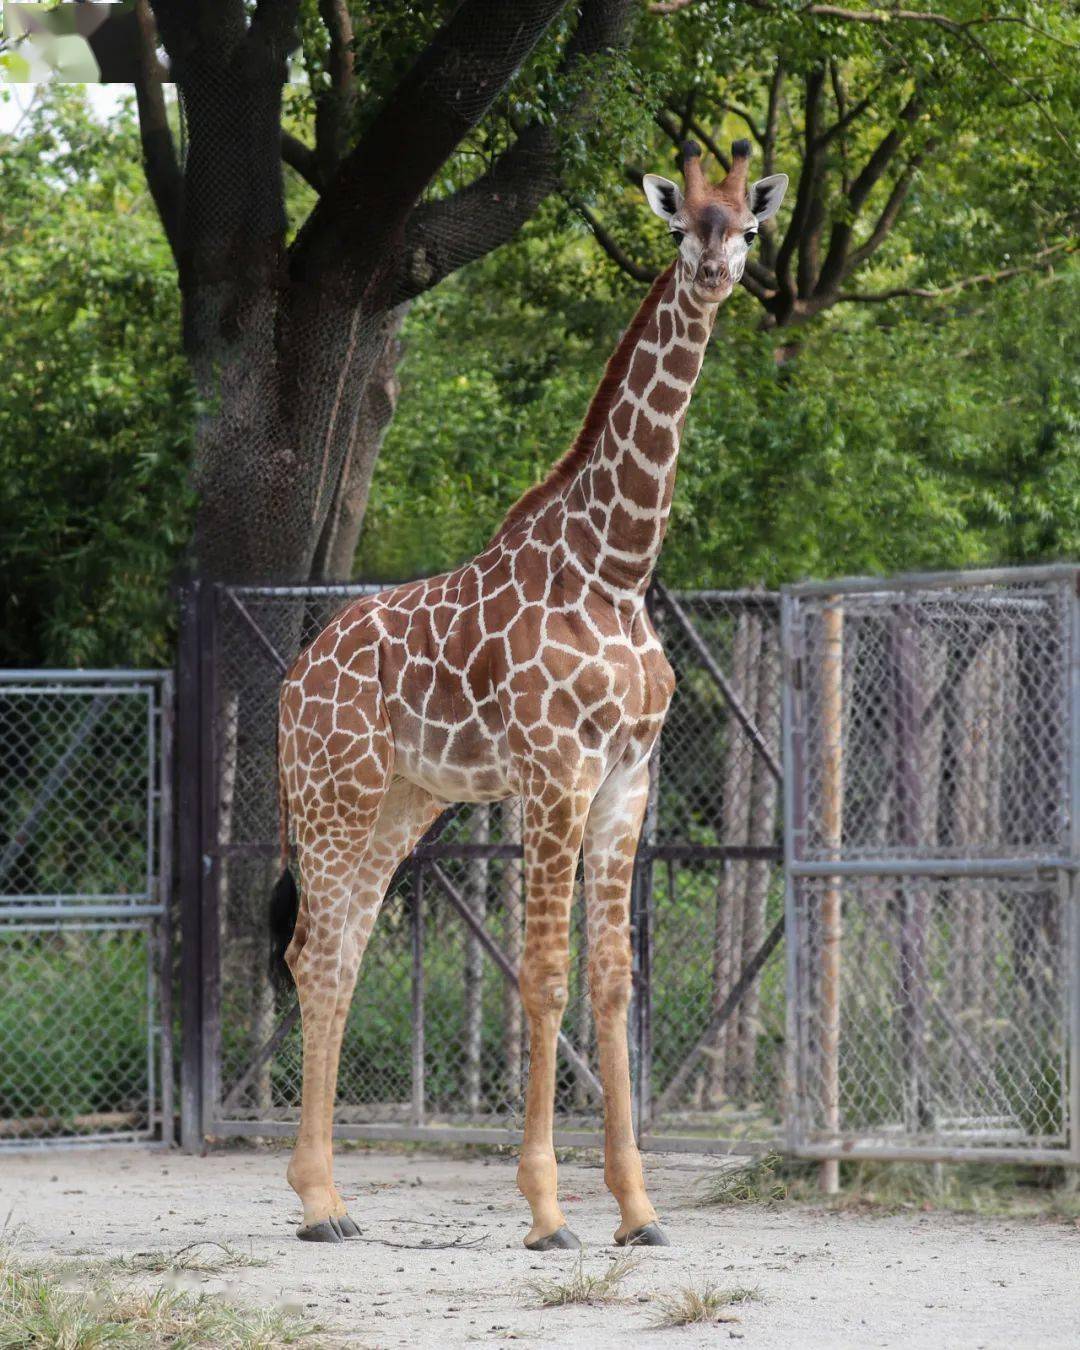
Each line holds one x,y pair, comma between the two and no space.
284,907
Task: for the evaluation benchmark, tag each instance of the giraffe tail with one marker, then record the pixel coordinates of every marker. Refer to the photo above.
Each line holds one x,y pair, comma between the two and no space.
285,898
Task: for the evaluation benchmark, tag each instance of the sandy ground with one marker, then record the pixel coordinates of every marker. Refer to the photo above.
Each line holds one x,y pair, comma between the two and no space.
825,1280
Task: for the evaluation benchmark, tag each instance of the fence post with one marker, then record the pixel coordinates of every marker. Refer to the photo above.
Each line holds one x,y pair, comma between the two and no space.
209,858
1072,603
419,1093
832,797
189,866
792,651
166,696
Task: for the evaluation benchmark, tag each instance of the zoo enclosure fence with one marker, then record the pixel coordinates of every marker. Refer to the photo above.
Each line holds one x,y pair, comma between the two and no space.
435,1046
85,875
932,841
930,1006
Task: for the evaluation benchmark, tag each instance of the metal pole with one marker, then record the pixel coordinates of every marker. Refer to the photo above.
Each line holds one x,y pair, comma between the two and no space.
166,709
911,899
832,796
418,1086
792,785
189,860
1073,882
209,860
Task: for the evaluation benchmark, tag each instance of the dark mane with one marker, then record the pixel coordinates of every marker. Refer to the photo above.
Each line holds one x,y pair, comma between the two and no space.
564,469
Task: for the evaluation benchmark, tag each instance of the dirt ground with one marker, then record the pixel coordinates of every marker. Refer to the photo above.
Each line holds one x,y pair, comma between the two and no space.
823,1279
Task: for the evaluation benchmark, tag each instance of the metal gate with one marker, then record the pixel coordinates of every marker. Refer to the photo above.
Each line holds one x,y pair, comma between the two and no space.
435,1046
932,755
85,842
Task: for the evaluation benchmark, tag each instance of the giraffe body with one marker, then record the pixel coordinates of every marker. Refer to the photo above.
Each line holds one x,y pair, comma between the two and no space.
532,671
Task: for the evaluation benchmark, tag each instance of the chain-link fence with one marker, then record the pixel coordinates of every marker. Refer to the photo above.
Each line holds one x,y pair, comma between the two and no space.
85,830
932,845
436,1041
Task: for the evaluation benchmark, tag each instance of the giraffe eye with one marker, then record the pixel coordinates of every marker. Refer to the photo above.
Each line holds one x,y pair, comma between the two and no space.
750,236
678,236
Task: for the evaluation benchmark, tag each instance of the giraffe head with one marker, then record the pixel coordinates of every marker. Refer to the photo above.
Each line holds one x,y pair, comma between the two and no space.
715,224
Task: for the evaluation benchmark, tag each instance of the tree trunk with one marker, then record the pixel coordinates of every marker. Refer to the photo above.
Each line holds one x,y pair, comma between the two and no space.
336,553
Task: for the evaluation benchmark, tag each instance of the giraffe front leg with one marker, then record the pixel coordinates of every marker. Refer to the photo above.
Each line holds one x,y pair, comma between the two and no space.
552,842
611,839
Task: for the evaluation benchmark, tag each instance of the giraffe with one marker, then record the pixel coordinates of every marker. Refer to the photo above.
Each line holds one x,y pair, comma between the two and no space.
532,671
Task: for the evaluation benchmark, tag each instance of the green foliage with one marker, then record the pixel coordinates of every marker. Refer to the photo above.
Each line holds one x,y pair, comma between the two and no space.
58,1066
95,406
874,437
877,439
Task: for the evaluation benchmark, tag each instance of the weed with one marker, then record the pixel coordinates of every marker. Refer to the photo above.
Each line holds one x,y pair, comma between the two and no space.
891,1188
205,1257
582,1287
691,1304
766,1180
37,1308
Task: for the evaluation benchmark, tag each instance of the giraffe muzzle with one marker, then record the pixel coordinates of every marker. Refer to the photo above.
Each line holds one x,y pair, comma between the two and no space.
712,275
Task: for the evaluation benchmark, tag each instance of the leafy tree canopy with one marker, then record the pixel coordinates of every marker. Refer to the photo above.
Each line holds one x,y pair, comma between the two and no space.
894,389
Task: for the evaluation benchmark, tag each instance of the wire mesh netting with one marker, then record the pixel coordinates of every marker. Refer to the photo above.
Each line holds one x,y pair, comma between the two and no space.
436,1033
954,705
932,748
953,1012
83,1049
78,1033
286,351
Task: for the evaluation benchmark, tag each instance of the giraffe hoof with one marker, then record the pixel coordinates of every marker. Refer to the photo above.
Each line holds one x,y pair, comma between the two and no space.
652,1235
348,1227
327,1231
561,1240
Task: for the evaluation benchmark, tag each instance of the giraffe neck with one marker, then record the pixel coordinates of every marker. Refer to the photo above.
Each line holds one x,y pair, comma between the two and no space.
618,502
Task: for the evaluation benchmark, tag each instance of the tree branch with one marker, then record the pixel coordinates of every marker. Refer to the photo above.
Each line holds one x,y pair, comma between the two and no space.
886,220
748,117
835,265
163,175
611,247
275,22
882,17
302,158
808,186
1039,262
772,119
186,25
444,235
333,105
354,234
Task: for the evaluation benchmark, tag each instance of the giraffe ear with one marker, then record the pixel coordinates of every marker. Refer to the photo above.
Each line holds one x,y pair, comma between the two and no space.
767,194
664,196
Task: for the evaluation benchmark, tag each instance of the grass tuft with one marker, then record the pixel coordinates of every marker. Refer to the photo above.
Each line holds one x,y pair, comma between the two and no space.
582,1287
764,1181
689,1304
39,1309
205,1257
891,1188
